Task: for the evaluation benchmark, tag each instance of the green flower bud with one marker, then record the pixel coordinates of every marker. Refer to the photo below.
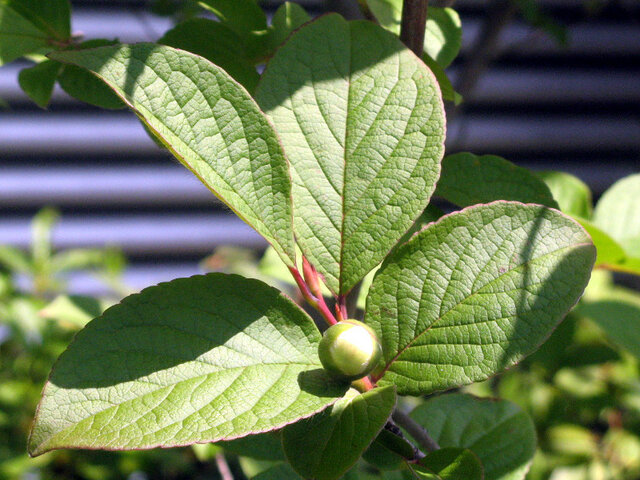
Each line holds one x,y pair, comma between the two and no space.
349,350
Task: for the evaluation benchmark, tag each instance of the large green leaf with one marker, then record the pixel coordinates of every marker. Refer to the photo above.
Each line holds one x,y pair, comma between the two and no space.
217,43
475,292
443,34
618,213
210,123
287,18
325,446
450,464
497,431
468,179
18,36
362,122
571,193
194,360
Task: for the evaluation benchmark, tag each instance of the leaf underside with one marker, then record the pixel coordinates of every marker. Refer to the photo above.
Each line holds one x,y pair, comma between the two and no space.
362,122
210,123
475,292
194,360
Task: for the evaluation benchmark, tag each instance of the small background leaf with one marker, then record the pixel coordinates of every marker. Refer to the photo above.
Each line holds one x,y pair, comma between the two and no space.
194,360
474,293
325,446
468,179
618,213
497,431
38,81
443,34
571,193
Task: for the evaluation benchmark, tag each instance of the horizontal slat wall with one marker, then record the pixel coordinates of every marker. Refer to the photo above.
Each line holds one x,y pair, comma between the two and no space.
572,108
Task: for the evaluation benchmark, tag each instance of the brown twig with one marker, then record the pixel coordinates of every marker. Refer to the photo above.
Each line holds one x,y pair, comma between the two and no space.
414,21
418,433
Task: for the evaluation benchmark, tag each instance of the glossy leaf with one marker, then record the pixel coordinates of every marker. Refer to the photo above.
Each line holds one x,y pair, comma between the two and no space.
450,464
209,123
362,122
389,451
474,293
325,446
618,212
571,193
468,179
497,431
242,16
443,34
194,360
218,44
38,81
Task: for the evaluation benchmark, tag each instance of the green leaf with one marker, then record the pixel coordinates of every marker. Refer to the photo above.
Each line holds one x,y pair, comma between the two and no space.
242,16
450,464
52,17
38,81
325,446
287,18
279,472
15,260
362,122
211,125
41,227
443,34
448,93
194,360
218,44
617,312
571,193
84,86
468,179
618,212
74,311
497,431
474,293
609,251
18,35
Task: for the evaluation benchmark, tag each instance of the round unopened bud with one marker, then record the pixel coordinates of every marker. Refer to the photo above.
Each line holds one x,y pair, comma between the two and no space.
349,350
